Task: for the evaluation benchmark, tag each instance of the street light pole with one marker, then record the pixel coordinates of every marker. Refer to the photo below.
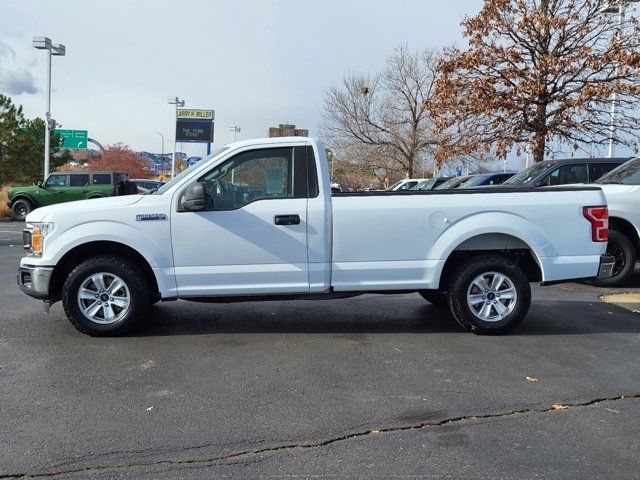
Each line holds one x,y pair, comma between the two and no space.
162,154
235,129
178,103
47,128
619,7
45,43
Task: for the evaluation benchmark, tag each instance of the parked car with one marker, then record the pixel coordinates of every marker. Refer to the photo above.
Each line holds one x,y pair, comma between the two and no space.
622,190
487,179
279,233
453,182
405,184
564,172
148,184
430,183
64,187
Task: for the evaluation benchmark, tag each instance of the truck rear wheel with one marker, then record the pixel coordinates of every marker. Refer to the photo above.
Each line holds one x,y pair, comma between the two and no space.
20,208
489,294
105,296
624,253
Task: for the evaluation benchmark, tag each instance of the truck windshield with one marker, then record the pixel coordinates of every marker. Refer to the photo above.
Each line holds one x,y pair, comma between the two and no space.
528,174
626,174
187,171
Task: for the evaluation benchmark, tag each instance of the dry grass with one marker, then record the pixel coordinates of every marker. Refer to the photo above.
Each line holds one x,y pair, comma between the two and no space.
5,211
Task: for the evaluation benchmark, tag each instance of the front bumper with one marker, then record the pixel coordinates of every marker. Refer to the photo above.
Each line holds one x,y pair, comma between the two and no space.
605,270
34,281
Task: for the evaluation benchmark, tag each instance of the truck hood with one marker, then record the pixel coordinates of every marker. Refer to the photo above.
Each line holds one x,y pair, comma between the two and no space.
94,205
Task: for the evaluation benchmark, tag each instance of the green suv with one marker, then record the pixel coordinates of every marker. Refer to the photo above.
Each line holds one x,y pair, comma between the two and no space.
64,187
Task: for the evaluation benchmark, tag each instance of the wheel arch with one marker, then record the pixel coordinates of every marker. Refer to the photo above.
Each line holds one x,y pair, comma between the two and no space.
87,250
502,244
625,227
24,196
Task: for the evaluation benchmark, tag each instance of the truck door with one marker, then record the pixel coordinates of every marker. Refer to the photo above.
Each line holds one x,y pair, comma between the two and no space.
252,236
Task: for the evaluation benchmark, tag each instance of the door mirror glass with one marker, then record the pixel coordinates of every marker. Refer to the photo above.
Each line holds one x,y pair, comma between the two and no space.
193,198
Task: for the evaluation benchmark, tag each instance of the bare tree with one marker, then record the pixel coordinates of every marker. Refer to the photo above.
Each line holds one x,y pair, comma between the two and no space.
539,72
384,117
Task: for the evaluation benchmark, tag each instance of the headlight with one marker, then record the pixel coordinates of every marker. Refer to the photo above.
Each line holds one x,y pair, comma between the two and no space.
34,236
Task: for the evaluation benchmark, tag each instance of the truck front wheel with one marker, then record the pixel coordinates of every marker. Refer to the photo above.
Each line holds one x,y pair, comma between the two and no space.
489,294
105,296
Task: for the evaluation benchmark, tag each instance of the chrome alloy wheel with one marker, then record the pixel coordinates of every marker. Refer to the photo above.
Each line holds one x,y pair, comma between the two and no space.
104,298
492,296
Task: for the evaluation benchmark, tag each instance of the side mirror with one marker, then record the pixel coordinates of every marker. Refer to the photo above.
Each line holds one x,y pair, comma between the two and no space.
193,199
39,184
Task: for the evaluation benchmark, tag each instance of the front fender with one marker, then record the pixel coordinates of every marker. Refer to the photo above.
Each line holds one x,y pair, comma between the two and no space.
151,245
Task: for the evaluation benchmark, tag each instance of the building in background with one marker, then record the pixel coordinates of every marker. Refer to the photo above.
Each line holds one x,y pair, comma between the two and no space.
284,130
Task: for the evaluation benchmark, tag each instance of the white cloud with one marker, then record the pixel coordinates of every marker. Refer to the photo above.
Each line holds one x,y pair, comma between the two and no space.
14,79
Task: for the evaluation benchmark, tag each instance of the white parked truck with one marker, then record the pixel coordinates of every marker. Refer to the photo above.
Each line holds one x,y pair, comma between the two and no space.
256,220
622,191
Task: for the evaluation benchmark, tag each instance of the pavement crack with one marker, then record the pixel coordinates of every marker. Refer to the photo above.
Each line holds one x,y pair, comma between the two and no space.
300,446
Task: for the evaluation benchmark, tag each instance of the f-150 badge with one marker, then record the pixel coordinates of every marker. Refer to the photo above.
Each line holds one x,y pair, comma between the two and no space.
143,217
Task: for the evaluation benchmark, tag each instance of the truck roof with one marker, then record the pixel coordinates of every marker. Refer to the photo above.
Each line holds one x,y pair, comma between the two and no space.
272,140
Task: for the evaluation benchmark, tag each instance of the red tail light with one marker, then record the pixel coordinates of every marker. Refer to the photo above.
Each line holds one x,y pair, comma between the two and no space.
599,219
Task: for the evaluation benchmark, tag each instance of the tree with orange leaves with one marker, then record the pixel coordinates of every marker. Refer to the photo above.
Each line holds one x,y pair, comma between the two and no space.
121,158
538,72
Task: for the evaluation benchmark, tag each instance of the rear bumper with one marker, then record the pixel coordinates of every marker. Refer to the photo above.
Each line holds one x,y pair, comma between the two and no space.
605,270
34,281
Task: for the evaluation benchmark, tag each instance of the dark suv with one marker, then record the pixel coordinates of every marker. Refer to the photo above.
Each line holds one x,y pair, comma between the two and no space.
64,187
564,172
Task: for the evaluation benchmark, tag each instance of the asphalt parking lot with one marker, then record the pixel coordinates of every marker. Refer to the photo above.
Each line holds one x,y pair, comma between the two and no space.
375,386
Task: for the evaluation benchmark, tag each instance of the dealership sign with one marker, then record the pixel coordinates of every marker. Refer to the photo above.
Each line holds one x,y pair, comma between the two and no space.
194,131
194,125
195,114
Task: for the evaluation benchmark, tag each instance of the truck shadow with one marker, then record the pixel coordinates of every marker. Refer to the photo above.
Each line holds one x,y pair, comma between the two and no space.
373,315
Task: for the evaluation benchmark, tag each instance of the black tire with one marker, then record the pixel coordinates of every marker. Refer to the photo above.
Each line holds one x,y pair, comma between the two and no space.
460,284
623,250
20,208
137,294
436,298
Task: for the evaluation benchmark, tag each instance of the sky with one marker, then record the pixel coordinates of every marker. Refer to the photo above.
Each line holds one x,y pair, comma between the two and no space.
256,63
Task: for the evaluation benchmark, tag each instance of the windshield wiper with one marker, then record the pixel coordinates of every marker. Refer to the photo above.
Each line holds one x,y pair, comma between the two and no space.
610,182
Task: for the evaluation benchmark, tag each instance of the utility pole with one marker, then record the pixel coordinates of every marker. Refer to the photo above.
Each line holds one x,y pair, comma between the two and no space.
45,43
178,103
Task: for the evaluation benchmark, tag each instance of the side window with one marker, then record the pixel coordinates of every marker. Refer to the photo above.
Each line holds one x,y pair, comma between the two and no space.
597,170
57,180
567,174
79,180
101,179
250,176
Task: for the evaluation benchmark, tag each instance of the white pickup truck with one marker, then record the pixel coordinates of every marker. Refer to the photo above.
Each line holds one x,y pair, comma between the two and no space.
622,190
257,221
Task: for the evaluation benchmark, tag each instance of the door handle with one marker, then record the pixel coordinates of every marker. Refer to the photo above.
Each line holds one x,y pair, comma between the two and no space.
287,220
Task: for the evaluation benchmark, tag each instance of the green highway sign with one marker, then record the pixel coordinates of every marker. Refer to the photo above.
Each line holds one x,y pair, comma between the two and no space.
72,138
